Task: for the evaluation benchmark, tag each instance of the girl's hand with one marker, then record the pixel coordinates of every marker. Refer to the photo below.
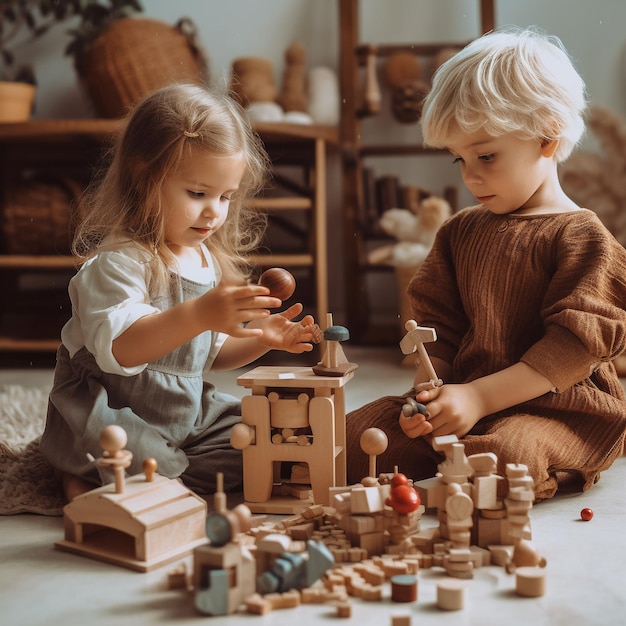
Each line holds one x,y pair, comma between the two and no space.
452,409
226,308
280,333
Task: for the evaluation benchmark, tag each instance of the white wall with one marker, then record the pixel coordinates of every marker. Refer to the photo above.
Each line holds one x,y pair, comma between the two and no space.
592,30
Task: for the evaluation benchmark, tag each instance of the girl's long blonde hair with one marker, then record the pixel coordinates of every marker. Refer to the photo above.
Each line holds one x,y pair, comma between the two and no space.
125,202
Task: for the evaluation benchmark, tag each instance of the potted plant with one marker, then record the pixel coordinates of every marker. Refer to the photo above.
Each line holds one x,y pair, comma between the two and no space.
117,60
24,20
17,85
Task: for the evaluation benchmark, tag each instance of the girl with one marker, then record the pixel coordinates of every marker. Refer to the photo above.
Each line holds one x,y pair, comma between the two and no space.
526,290
161,296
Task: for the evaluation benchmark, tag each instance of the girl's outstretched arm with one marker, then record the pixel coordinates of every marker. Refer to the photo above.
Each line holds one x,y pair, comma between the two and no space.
222,309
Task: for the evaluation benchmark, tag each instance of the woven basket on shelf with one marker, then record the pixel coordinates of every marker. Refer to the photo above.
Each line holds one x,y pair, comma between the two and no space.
37,216
133,57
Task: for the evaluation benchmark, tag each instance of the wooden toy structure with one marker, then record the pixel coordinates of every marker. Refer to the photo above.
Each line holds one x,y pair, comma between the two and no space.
334,361
368,544
224,571
141,522
297,416
479,510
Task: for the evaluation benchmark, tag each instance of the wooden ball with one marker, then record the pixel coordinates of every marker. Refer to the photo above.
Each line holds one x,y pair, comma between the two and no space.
586,514
241,436
374,441
113,438
279,281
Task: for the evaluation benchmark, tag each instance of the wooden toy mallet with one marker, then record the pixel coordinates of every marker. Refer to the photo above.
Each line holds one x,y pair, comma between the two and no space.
415,339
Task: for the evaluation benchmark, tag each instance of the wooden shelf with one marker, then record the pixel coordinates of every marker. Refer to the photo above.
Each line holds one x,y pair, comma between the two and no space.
76,145
359,68
29,261
68,129
9,344
281,204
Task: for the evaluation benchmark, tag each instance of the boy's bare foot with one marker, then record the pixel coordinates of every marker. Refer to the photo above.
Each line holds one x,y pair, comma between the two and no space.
74,486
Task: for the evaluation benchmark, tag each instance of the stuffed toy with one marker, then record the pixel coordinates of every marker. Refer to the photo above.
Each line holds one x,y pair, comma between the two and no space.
293,93
415,232
324,104
252,80
252,85
597,181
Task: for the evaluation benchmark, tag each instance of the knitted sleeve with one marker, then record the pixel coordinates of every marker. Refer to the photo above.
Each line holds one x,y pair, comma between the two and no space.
583,309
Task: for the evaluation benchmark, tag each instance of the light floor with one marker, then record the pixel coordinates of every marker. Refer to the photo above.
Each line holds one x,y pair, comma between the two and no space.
586,574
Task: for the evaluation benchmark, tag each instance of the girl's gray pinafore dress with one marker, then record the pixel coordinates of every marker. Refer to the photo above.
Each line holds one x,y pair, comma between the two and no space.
168,412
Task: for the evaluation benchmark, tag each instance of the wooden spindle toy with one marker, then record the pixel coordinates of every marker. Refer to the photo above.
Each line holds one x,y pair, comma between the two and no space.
149,468
373,442
112,440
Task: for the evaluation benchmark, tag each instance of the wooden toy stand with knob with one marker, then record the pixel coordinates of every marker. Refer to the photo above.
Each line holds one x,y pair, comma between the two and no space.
141,522
281,398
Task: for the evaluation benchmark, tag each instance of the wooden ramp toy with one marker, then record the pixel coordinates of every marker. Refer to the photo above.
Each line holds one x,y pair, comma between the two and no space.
142,522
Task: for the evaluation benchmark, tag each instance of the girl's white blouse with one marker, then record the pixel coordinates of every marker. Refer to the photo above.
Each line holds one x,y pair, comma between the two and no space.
109,293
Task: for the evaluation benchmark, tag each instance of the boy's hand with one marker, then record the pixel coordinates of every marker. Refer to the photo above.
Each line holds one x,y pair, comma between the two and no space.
452,409
416,425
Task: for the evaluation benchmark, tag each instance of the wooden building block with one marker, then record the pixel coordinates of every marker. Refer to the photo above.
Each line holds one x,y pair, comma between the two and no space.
366,500
451,594
257,604
403,619
432,492
359,524
274,543
500,554
213,598
530,582
344,608
372,543
240,566
404,588
485,491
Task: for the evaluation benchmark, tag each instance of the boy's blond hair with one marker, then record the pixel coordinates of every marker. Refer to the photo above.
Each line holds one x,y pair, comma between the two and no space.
517,81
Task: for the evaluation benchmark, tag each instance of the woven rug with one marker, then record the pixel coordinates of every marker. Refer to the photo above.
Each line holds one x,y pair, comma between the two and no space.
27,482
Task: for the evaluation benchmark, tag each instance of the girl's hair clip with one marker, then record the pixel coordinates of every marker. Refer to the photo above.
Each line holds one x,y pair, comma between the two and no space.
189,134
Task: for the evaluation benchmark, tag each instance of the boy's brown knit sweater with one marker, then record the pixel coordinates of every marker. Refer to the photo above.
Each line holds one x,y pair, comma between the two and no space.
548,290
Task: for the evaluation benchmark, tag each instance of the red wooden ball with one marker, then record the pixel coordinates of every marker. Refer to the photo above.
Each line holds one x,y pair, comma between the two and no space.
586,514
279,281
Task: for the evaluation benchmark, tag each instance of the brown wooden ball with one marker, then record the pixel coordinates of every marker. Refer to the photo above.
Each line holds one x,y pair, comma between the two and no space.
279,281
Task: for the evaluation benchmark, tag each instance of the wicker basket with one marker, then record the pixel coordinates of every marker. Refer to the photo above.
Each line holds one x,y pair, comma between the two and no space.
133,57
37,216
